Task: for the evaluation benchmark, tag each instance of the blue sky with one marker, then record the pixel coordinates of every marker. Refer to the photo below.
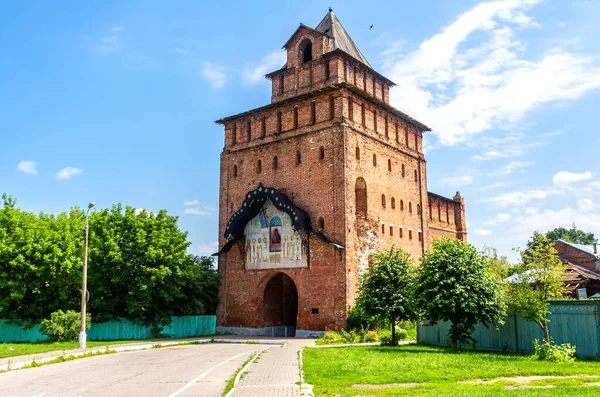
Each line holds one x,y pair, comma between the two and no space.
115,101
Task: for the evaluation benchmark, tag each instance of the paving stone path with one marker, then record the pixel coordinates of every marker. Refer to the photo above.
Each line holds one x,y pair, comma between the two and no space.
276,373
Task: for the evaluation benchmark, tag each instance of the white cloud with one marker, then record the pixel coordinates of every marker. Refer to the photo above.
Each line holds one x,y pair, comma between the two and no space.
269,63
513,166
520,198
28,167
68,172
458,181
462,88
482,232
112,41
198,211
509,145
499,218
191,202
565,177
214,74
205,249
491,186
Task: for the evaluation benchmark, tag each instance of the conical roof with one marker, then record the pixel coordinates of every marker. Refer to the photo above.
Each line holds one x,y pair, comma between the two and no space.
339,39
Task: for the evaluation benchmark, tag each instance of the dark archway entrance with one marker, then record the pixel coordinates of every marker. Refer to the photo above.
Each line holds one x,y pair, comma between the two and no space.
280,306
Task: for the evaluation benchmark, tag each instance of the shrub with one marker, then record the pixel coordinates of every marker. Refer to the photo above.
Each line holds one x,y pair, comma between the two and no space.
348,336
64,326
564,353
330,337
370,336
401,333
358,319
388,340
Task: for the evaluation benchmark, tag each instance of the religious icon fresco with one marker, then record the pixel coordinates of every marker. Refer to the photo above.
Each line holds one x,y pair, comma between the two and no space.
271,242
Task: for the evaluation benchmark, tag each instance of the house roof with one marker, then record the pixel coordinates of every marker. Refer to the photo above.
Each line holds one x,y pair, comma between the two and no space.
339,39
588,249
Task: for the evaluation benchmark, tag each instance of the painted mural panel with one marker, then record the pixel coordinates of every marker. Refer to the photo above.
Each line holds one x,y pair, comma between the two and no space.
271,242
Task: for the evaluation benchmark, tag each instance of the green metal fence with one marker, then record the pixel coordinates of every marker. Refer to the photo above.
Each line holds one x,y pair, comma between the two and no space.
181,327
575,322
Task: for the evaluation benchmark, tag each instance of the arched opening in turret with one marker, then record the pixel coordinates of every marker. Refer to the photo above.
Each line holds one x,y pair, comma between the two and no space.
306,53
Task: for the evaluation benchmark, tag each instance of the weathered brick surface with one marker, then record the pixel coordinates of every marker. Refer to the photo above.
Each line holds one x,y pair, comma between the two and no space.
365,143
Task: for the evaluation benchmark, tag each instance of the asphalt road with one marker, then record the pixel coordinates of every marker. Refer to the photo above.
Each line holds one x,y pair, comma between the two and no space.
183,371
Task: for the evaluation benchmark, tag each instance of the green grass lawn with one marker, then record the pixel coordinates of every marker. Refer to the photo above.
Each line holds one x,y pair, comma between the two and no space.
437,371
19,349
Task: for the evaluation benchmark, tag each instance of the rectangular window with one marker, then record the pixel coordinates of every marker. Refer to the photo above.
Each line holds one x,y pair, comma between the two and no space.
331,107
296,117
263,128
375,120
410,234
313,112
397,138
391,230
400,230
420,235
350,108
383,228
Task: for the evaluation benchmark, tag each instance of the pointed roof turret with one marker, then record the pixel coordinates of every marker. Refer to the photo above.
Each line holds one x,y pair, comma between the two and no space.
339,39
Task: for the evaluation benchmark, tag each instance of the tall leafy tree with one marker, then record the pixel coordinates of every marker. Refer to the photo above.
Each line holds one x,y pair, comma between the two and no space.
541,281
572,235
455,285
385,288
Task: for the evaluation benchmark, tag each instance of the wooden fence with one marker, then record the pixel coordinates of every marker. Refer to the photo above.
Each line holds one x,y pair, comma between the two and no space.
574,322
181,327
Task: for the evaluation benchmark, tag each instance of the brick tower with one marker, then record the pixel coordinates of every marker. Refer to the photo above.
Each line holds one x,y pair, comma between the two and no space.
314,183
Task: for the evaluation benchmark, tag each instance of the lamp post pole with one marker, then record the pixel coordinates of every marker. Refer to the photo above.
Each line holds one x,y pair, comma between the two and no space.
82,335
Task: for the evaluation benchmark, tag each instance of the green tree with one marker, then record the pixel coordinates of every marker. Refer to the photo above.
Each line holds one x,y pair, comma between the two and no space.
572,235
455,285
499,265
541,281
385,288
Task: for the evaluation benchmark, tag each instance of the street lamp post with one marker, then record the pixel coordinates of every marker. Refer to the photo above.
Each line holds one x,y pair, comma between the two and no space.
82,335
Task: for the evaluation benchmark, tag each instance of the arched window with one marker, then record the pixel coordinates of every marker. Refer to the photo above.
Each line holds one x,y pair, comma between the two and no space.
401,205
275,163
403,172
410,207
235,171
383,200
307,52
360,191
298,158
357,153
321,153
389,165
321,223
415,175
259,166
296,117
374,160
313,112
393,203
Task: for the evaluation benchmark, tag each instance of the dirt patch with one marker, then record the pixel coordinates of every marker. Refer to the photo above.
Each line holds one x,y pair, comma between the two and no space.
525,379
387,386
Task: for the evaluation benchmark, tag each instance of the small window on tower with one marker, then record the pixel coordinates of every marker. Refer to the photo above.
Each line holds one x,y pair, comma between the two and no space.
383,228
393,203
235,171
401,205
357,153
363,115
307,52
249,130
313,112
295,117
321,153
409,234
403,172
391,230
400,232
375,120
259,166
327,70
410,207
416,176
281,82
279,126
397,132
387,135
374,160
275,163
389,165
420,235
331,107
383,200
263,128
234,135
298,158
418,209
350,108
321,223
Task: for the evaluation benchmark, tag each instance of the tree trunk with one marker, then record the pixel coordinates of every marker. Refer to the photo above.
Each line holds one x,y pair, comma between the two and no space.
393,330
546,330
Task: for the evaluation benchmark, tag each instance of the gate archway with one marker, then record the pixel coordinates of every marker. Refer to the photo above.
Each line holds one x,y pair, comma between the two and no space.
280,306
